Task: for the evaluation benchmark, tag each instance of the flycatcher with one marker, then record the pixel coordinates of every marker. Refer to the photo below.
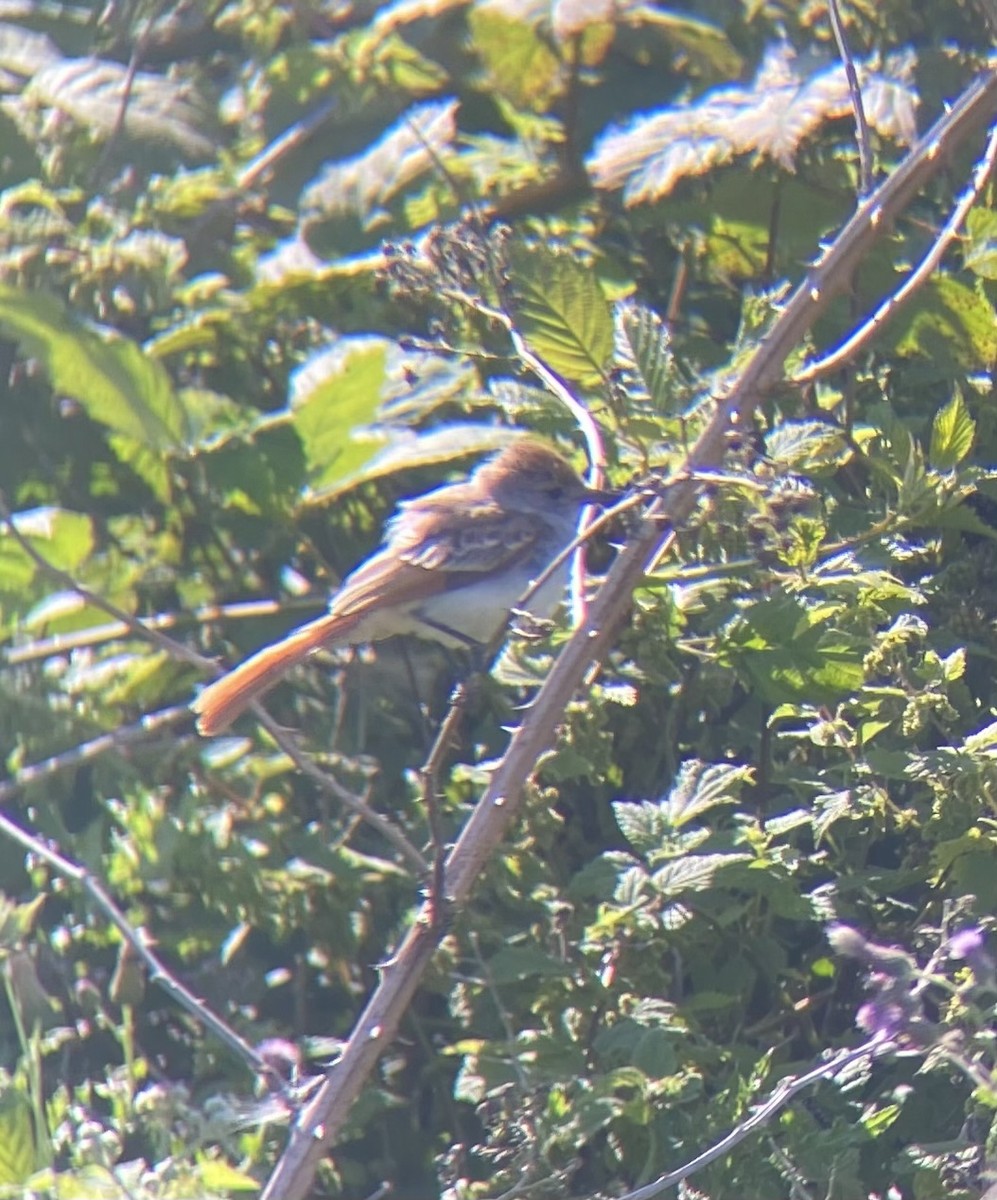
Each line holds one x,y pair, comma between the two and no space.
453,564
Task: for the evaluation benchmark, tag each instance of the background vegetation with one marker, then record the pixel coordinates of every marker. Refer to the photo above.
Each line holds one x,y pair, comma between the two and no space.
258,263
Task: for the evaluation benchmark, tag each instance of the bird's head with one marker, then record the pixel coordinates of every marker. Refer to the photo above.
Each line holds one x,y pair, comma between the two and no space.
531,477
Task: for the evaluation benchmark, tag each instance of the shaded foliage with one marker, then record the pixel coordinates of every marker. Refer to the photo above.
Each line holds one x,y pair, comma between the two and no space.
251,260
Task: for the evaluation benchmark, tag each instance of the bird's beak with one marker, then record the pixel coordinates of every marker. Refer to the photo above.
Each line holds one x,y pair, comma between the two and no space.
601,496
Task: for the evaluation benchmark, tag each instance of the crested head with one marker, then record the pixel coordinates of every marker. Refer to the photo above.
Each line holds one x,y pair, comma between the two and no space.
528,475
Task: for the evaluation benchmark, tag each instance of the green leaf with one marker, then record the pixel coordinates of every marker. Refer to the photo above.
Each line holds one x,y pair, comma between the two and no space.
701,786
64,538
645,353
218,1176
980,249
17,1138
338,392
562,312
642,823
110,99
950,323
952,434
520,66
694,872
113,379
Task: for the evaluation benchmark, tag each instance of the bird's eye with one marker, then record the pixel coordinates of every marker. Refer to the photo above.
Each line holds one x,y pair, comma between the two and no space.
555,492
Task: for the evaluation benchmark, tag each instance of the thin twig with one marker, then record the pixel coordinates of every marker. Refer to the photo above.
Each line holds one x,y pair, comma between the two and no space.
867,331
144,728
429,776
174,648
96,635
321,1122
127,86
781,1095
855,92
178,650
292,137
328,783
139,942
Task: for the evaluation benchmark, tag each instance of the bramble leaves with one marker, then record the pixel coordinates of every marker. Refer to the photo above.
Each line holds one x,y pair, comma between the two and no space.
788,101
563,313
218,383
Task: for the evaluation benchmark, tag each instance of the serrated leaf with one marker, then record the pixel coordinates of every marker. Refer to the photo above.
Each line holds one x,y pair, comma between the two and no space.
787,102
364,184
643,350
694,872
17,1138
562,312
805,444
642,823
106,97
112,379
952,433
700,787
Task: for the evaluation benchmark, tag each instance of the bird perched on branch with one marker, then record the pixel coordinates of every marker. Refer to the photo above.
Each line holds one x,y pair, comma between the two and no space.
454,563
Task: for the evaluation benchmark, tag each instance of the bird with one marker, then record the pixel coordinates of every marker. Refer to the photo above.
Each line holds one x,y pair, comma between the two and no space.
453,564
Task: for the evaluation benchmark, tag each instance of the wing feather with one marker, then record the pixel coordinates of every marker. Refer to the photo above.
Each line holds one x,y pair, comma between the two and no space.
430,550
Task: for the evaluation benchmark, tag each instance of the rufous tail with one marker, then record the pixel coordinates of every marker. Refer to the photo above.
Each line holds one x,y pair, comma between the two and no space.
221,702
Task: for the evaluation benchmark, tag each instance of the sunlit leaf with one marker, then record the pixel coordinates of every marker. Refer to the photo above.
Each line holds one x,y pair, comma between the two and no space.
643,350
563,313
17,1137
787,102
335,394
105,97
219,1176
949,322
112,379
520,65
25,51
804,445
702,786
693,873
979,251
364,184
952,434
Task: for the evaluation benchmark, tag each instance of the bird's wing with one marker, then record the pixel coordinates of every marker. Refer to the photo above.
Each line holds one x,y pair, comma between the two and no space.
431,549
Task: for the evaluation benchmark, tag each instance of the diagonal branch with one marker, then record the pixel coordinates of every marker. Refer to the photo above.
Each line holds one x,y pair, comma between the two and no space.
868,329
781,1095
320,1124
153,633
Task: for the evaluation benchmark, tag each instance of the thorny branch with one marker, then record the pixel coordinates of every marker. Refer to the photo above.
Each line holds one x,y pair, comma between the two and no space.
786,1090
917,278
320,1123
178,650
43,850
